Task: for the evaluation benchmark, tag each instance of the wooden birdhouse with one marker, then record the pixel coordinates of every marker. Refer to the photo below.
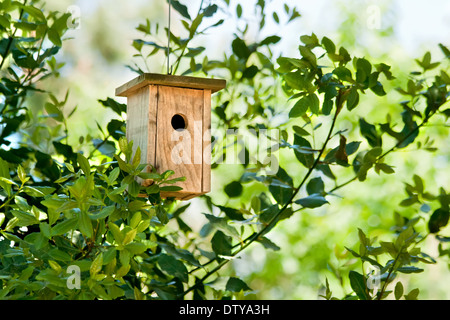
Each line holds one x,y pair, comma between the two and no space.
169,118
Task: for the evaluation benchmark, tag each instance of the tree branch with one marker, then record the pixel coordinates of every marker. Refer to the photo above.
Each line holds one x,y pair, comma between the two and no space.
249,240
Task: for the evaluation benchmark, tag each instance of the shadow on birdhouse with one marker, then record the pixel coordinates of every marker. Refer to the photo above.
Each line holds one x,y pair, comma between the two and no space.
169,118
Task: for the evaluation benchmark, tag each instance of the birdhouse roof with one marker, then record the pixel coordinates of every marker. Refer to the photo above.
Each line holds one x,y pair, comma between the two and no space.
171,81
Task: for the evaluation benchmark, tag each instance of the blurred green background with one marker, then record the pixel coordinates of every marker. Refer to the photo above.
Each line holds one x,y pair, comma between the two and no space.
312,242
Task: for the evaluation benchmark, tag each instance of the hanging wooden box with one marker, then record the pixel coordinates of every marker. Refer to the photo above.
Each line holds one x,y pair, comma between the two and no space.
169,118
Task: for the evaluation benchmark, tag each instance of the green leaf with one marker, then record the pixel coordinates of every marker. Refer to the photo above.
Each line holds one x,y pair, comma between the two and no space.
84,164
281,187
173,267
300,131
221,244
445,50
104,213
344,74
35,13
210,10
54,37
306,159
161,214
312,201
64,227
358,284
270,40
239,10
412,295
268,244
170,188
96,265
299,108
385,168
134,188
410,269
115,231
233,189
378,89
311,41
181,9
222,225
328,45
240,49
8,181
438,220
2,218
369,132
236,285
25,219
352,99
398,291
363,70
315,185
136,247
129,236
117,107
85,224
59,255
308,55
250,72
38,191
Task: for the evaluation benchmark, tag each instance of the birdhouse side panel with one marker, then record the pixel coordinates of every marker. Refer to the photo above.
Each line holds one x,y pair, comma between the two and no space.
179,137
137,120
206,163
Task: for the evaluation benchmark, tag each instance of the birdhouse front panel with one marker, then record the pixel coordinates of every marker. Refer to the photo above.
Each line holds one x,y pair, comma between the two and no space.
169,118
180,136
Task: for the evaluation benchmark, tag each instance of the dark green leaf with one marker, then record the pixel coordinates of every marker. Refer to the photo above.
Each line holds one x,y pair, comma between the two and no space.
250,72
161,214
409,269
240,49
221,244
445,50
299,109
181,9
85,225
233,189
328,45
171,188
236,285
343,73
312,201
268,244
84,164
352,99
358,284
270,40
210,10
369,132
117,107
315,185
307,159
438,220
173,267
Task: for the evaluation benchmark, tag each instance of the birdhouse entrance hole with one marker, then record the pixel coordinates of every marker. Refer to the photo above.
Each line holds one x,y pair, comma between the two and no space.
178,122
